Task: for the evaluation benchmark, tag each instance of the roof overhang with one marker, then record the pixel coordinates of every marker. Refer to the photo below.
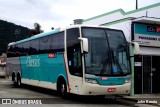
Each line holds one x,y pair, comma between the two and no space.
147,20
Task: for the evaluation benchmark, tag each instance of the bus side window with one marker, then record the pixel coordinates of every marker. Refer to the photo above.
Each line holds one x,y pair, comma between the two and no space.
25,48
45,43
34,48
10,52
57,43
19,49
14,51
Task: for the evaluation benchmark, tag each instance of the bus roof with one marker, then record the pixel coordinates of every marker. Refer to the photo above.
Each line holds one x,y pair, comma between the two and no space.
56,31
38,36
12,43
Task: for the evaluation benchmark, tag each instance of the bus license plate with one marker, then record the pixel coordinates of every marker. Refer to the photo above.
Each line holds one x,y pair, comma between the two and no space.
111,89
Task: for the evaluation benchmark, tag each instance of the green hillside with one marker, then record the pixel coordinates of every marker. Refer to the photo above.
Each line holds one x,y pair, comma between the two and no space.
10,32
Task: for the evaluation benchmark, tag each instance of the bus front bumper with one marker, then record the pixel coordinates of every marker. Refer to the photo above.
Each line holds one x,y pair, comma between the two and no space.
96,89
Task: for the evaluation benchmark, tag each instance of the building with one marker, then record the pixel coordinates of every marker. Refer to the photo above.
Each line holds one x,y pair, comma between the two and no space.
141,25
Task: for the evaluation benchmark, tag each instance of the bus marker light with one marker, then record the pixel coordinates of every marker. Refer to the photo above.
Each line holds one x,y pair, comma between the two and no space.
104,78
111,89
51,55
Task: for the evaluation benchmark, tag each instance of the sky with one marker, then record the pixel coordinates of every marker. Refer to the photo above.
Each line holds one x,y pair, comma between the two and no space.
61,13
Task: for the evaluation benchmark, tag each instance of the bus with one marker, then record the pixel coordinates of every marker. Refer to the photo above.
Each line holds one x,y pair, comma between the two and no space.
80,59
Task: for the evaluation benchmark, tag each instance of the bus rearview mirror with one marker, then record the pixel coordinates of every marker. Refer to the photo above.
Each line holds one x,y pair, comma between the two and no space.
136,48
85,44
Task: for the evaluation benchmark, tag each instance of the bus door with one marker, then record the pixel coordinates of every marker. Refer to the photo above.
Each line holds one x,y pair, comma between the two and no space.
74,60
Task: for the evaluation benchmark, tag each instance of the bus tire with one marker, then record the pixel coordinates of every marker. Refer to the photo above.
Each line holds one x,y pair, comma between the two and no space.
62,89
14,79
18,83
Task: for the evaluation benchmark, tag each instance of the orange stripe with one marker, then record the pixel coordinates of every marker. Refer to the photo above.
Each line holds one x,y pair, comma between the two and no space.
66,72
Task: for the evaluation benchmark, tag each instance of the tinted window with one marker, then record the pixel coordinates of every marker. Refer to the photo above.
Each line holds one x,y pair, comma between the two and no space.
72,37
25,48
19,50
11,52
15,48
45,44
57,43
34,48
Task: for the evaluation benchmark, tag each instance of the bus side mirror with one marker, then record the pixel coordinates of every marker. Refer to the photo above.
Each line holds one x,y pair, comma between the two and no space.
136,48
85,44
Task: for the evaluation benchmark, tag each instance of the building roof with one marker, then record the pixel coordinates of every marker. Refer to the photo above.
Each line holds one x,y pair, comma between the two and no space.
121,11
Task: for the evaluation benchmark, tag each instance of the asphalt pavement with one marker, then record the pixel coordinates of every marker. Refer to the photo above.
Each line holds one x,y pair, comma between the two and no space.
50,98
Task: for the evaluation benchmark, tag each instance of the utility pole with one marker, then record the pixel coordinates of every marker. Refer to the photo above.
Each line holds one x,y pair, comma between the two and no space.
136,4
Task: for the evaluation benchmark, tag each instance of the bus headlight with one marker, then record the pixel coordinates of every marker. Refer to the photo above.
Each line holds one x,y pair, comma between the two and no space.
128,80
93,81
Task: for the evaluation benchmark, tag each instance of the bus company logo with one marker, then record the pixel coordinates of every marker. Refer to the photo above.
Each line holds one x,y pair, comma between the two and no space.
30,62
52,55
104,78
153,29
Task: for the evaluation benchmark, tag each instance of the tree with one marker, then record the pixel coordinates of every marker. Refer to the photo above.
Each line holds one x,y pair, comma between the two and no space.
36,30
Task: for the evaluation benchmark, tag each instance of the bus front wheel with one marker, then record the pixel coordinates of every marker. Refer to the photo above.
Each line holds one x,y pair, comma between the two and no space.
62,89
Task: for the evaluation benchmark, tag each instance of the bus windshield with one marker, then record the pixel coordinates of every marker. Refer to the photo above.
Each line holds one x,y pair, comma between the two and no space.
108,53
